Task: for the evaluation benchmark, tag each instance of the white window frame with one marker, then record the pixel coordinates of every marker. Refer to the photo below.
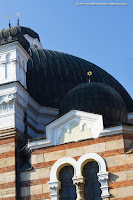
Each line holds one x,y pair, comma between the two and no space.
103,177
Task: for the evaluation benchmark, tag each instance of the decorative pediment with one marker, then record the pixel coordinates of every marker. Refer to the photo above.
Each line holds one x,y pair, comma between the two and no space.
74,126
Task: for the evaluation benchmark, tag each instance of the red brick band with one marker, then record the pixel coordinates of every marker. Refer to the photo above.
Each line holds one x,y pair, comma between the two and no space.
121,184
7,154
34,182
77,144
43,164
9,198
7,169
7,141
126,198
7,185
120,168
115,152
103,154
45,180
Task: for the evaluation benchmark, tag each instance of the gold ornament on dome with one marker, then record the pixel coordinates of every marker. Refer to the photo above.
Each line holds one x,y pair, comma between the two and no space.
89,73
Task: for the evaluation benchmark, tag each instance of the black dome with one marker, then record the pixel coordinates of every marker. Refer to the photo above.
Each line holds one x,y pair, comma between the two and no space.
96,98
16,33
51,75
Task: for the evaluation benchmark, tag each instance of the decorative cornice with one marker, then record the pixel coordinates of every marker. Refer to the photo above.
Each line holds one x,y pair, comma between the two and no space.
37,145
7,98
117,130
12,97
41,143
54,130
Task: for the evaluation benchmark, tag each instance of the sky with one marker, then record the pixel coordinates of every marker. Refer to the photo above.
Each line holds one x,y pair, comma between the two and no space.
102,35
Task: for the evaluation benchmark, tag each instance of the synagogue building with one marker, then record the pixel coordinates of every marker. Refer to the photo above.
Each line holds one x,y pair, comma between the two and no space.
66,125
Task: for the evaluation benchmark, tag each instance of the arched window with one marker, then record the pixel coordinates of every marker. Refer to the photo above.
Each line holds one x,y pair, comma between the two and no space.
88,176
92,186
67,190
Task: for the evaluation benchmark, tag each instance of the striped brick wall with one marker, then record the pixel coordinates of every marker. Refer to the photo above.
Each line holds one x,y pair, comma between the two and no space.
120,166
7,169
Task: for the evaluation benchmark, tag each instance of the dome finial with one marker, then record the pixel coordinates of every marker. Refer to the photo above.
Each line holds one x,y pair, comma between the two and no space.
18,14
89,74
9,17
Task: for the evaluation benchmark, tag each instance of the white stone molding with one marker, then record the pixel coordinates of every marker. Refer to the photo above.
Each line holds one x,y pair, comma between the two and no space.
89,157
13,104
14,101
117,130
54,183
7,98
55,130
78,179
36,145
102,175
54,189
59,164
103,179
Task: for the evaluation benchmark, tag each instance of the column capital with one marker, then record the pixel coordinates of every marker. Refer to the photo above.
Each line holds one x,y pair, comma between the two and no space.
103,179
79,182
54,189
79,179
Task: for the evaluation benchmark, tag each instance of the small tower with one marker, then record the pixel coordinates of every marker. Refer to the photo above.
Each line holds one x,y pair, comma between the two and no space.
13,56
13,104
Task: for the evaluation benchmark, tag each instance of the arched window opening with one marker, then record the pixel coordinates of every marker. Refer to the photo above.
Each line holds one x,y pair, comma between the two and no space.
92,189
67,190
